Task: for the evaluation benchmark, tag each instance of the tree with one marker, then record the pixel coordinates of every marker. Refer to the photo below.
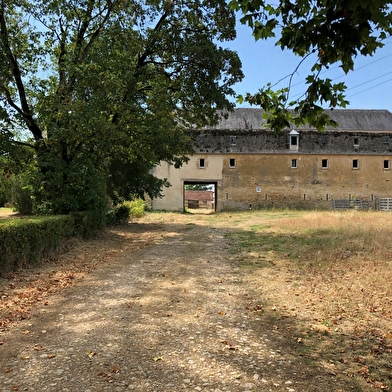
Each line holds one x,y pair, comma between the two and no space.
197,187
103,90
333,32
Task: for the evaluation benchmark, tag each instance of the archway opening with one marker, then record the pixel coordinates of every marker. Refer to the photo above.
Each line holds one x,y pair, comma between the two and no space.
199,197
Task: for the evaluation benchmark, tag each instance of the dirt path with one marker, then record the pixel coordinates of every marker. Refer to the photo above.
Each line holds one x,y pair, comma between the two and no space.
160,307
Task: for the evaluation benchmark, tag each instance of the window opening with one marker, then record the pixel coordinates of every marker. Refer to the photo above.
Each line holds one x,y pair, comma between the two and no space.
258,189
294,140
324,163
232,162
202,163
293,163
355,164
356,141
233,140
387,164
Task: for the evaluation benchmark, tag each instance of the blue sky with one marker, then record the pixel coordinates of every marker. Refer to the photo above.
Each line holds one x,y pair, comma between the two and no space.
369,85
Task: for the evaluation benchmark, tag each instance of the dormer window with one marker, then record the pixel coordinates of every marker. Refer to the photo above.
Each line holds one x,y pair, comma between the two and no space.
233,140
294,140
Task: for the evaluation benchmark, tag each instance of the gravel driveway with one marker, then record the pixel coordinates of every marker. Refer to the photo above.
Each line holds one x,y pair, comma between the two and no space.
164,308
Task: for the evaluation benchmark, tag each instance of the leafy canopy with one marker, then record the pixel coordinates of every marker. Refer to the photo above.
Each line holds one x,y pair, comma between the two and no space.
103,90
335,31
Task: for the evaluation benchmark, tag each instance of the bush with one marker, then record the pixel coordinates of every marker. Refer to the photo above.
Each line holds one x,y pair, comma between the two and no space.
25,242
118,215
87,223
137,208
125,211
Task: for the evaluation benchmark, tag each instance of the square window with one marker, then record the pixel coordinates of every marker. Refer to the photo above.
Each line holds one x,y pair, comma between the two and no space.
387,164
355,164
202,163
232,162
324,163
293,163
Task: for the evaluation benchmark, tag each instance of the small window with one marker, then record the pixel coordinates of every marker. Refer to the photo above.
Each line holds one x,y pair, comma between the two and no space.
233,140
294,140
356,141
232,162
386,139
355,164
258,189
202,163
387,164
324,163
293,163
202,138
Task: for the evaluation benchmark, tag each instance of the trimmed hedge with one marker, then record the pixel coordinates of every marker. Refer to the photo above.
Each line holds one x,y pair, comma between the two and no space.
26,241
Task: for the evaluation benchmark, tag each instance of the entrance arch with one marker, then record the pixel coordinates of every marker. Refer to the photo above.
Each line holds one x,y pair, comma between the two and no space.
199,196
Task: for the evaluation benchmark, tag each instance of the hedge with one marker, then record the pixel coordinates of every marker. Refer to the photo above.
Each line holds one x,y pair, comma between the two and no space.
26,241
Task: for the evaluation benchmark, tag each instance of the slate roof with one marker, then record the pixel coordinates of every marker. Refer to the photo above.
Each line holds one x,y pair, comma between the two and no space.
348,120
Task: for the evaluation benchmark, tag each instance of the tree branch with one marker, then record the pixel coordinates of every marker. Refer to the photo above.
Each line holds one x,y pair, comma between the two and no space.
24,110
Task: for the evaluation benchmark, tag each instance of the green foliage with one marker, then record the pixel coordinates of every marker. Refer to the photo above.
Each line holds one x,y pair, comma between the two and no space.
86,224
125,211
331,32
137,208
102,92
24,242
196,187
118,215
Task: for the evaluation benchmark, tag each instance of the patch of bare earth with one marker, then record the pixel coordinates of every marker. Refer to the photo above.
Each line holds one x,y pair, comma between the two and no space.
159,305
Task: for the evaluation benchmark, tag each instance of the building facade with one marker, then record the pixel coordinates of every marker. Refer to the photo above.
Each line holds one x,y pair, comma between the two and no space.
249,166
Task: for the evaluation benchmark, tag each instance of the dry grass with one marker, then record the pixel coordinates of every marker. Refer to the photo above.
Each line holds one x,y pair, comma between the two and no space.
331,273
324,279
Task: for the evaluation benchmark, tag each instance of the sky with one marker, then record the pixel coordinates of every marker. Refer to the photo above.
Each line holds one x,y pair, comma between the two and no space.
369,86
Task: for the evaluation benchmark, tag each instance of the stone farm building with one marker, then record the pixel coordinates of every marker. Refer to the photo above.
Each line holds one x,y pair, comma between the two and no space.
249,166
196,199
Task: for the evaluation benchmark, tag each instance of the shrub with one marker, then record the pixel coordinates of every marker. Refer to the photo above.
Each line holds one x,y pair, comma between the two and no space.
25,242
137,208
118,215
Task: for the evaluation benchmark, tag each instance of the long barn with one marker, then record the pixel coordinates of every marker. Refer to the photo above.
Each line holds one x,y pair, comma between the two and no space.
249,166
